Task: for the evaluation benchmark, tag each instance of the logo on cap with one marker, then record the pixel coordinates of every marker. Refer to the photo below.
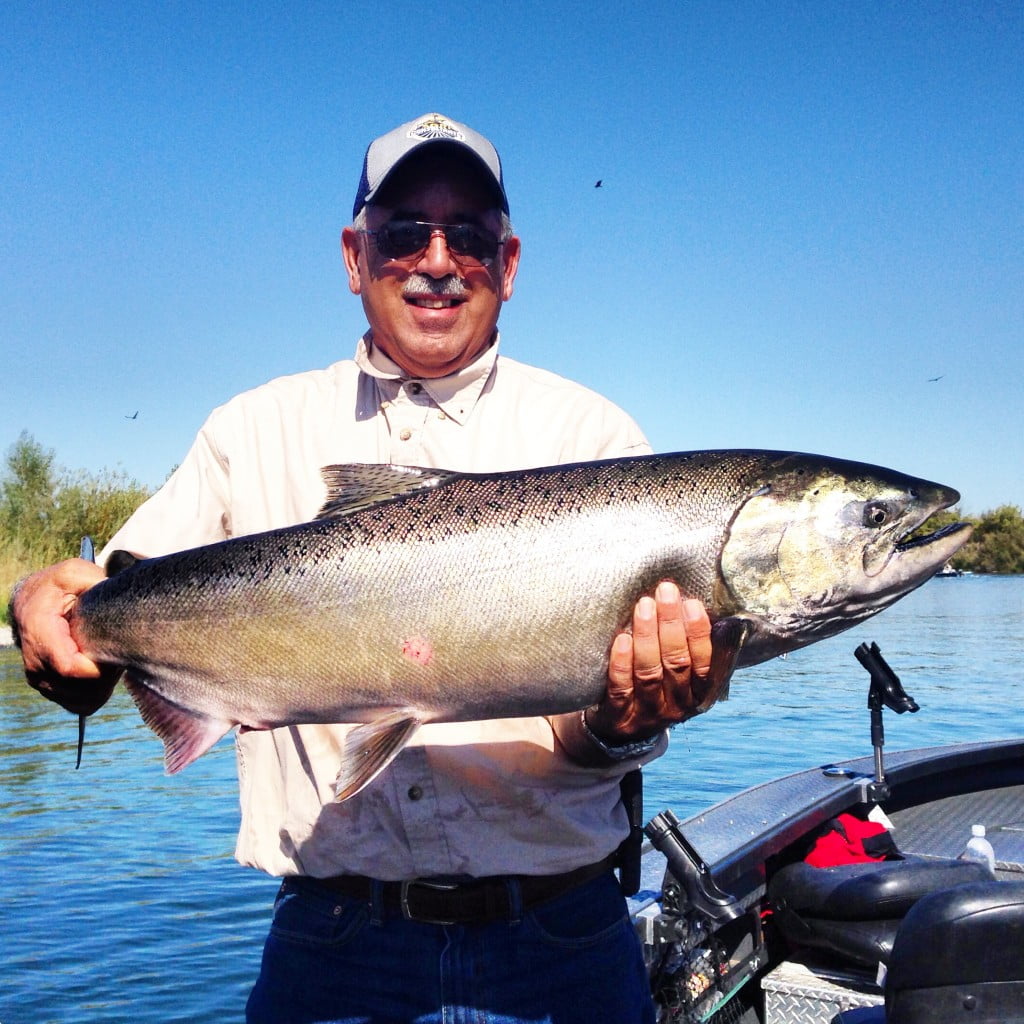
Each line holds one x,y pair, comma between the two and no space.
436,127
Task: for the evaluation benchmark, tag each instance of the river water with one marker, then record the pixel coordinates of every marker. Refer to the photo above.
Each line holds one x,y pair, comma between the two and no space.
121,900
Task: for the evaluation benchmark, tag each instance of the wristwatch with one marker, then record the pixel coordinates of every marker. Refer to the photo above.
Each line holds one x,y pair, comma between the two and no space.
618,753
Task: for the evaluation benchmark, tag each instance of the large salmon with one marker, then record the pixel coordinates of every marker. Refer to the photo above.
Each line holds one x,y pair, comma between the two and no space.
420,595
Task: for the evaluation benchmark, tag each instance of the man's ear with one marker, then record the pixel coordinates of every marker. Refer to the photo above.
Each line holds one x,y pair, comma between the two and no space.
351,248
510,264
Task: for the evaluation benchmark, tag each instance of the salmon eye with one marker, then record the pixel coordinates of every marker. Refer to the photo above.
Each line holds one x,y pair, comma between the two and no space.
877,513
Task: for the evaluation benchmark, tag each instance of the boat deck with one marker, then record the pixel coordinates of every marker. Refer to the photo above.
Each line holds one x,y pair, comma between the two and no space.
936,795
941,828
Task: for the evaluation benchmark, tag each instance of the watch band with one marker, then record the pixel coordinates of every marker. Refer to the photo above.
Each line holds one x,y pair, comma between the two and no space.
622,752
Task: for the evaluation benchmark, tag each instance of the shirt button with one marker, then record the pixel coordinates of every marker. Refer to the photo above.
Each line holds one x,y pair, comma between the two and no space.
415,793
405,434
441,415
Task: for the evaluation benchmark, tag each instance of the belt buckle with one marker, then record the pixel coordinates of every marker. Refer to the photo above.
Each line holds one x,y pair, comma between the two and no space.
407,912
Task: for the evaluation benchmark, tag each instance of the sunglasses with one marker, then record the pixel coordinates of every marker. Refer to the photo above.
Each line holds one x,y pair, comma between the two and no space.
468,243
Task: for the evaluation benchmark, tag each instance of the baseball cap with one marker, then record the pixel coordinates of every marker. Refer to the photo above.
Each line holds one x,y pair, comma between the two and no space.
383,155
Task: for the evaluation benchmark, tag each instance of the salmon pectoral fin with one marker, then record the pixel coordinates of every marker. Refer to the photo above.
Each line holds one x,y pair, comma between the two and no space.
727,638
187,735
370,748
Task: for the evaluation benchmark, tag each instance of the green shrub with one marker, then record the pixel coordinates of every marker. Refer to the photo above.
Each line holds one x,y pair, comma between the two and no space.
46,510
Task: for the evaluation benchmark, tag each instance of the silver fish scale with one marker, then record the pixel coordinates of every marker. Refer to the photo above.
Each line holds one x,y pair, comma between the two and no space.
464,596
425,598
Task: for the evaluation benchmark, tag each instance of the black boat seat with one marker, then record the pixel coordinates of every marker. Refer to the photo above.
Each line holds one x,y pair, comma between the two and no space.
959,955
854,910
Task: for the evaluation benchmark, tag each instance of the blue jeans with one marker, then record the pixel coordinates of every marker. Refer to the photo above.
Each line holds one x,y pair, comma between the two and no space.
332,960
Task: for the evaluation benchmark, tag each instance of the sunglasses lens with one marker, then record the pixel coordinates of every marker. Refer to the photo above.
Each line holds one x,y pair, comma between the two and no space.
399,239
472,241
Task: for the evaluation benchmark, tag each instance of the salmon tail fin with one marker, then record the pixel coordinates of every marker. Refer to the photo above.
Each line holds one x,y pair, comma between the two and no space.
370,748
187,735
727,638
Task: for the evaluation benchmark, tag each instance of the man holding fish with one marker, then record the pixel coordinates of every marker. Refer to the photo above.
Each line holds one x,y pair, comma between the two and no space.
474,875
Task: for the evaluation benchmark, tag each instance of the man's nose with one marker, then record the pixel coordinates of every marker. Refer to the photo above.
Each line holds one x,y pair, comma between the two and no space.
437,258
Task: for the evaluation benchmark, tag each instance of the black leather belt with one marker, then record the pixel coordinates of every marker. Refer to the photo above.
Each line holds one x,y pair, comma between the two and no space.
478,901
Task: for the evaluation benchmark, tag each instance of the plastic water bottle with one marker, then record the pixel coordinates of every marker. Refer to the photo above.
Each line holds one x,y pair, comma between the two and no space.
979,848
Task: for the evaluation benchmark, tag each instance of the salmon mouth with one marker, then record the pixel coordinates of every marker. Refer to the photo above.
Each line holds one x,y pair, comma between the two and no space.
911,557
916,558
927,539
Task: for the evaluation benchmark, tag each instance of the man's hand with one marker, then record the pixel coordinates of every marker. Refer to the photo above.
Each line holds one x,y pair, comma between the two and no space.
53,663
656,672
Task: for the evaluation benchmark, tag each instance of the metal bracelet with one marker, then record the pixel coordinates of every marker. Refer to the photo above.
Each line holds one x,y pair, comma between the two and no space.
618,753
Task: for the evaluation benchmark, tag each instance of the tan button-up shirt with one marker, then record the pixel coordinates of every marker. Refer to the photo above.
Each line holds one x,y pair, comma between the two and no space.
467,798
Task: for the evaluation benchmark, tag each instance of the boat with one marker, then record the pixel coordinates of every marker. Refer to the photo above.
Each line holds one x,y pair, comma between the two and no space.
738,927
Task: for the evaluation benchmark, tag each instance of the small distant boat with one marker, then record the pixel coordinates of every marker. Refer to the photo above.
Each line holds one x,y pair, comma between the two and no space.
948,570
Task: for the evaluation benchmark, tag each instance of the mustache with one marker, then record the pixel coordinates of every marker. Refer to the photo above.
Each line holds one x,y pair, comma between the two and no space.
420,285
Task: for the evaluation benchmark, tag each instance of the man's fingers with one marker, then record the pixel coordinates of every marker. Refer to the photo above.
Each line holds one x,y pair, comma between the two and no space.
653,669
54,665
647,668
47,647
620,668
672,636
698,636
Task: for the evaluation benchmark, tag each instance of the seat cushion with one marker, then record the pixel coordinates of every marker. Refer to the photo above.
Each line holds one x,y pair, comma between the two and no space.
855,910
969,933
959,956
871,890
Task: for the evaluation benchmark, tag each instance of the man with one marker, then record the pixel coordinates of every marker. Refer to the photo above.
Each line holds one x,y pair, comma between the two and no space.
472,879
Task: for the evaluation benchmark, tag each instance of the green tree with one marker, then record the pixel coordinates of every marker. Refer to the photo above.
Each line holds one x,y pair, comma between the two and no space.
27,492
997,545
45,511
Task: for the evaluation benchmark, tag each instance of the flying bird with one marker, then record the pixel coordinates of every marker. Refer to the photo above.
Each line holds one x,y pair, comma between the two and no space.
597,184
931,380
134,415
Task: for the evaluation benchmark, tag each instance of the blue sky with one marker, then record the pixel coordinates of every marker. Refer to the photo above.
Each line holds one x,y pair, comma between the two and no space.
809,209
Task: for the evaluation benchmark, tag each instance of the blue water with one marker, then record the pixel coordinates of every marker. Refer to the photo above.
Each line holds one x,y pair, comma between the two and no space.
121,900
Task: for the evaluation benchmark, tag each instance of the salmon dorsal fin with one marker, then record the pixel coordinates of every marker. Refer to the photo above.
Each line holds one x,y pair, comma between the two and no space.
356,486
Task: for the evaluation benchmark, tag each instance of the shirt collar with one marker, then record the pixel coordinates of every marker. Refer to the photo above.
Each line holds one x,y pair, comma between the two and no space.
456,394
